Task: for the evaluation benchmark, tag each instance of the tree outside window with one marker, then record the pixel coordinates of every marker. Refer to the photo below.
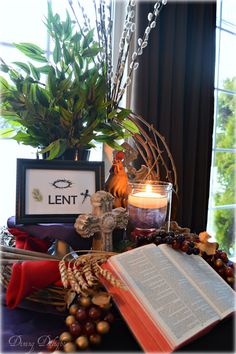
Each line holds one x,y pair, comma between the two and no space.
222,203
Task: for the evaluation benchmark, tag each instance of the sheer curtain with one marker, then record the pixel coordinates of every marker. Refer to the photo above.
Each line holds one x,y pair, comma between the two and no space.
173,89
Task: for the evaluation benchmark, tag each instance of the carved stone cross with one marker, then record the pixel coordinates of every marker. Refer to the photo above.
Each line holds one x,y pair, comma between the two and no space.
102,221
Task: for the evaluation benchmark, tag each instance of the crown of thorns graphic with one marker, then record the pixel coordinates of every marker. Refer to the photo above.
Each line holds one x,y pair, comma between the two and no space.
62,183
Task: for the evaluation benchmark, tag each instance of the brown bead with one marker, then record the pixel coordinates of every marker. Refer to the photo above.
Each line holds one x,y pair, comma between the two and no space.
109,317
219,263
73,309
85,301
184,246
229,272
221,271
89,328
69,347
95,339
66,337
103,327
224,256
75,329
82,342
230,280
95,313
81,315
70,319
175,245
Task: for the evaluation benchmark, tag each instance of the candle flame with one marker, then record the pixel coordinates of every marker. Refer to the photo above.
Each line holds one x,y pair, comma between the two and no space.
148,188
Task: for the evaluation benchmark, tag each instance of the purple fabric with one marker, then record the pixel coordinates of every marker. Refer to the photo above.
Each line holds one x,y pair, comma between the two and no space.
65,232
26,331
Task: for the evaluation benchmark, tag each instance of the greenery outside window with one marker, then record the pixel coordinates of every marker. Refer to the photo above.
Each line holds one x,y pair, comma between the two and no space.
222,203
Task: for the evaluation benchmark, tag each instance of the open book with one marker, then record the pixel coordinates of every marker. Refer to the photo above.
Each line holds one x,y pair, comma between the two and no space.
171,298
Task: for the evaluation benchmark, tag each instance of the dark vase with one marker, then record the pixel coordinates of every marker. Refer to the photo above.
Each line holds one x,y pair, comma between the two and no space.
73,154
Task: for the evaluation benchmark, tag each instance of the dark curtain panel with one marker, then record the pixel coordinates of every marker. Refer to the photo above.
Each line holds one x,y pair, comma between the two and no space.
173,89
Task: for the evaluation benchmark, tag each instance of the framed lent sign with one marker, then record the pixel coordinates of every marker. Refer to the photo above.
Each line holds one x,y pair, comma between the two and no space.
55,191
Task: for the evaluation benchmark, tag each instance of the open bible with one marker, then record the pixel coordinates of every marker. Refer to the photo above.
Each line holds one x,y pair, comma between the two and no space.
171,298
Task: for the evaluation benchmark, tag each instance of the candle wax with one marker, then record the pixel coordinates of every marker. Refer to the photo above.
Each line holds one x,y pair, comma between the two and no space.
147,200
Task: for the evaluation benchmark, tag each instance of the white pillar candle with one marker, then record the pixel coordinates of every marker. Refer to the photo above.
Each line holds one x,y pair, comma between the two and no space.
148,205
147,199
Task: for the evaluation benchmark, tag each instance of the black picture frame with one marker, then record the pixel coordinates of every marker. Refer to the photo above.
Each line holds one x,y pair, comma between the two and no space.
49,191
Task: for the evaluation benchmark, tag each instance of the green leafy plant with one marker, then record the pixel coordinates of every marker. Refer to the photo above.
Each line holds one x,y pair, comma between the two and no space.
61,102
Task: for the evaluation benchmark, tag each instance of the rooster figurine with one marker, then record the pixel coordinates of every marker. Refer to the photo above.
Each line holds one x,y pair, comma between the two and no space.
117,181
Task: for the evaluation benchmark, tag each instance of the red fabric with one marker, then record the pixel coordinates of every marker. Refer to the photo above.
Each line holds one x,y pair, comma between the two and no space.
30,276
26,242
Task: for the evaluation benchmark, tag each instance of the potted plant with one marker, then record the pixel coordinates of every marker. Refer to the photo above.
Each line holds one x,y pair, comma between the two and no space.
72,99
63,102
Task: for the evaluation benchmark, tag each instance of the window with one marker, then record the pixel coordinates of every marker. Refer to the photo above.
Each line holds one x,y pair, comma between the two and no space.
28,17
222,202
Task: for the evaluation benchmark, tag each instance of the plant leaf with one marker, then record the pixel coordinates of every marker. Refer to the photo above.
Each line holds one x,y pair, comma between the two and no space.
35,72
55,149
42,97
67,26
123,113
23,66
7,133
66,114
44,69
52,81
32,51
88,39
91,52
130,126
57,51
4,85
67,56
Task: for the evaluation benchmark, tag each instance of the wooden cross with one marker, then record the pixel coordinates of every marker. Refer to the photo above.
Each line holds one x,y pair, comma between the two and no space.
102,221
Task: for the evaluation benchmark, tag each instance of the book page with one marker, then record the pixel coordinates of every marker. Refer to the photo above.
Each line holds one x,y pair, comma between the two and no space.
165,293
200,273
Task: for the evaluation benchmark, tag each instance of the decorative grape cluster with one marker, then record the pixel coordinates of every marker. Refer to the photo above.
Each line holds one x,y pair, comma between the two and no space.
86,324
185,242
222,265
